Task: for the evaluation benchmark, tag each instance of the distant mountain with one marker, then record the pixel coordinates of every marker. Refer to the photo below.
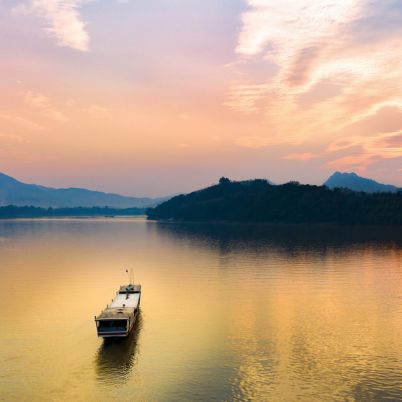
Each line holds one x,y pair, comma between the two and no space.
14,192
259,201
356,183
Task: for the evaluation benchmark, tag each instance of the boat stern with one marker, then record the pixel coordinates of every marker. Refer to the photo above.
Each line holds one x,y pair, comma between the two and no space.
112,328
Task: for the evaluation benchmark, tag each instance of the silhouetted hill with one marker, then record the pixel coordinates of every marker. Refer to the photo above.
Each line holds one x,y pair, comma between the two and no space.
259,201
356,183
17,193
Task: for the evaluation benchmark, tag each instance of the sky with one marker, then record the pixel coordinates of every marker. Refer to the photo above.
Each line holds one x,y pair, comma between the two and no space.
158,97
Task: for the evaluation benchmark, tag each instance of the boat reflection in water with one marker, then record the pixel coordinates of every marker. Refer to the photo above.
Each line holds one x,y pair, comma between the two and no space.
116,357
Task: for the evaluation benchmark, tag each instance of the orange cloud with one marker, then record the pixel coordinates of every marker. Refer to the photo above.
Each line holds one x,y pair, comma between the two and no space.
303,156
98,112
20,121
255,141
372,149
43,104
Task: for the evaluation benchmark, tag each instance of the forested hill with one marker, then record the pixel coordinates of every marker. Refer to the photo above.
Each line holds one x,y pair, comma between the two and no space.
259,201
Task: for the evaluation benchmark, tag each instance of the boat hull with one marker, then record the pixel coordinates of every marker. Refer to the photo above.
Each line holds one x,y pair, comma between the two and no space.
123,334
118,319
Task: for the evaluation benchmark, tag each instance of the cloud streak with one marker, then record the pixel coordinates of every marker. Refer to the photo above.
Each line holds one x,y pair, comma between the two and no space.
303,156
293,34
351,45
375,148
43,104
63,21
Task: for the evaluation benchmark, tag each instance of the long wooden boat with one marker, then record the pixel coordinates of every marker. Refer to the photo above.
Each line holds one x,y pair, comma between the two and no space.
118,318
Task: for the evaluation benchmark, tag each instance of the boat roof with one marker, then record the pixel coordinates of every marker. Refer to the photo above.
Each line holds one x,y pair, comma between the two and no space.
123,300
123,305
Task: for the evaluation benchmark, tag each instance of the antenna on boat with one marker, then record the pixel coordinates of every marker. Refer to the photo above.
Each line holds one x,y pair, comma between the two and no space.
130,276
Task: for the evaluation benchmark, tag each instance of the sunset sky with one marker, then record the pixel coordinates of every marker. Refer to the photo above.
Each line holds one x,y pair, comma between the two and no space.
157,97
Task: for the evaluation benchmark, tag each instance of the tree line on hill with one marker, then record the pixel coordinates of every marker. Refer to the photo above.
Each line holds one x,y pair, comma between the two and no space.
12,211
259,201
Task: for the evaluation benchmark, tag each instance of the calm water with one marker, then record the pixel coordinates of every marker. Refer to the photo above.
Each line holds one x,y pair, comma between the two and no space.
229,312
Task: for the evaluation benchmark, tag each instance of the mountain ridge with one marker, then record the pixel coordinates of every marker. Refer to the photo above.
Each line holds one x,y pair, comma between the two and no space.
354,182
18,193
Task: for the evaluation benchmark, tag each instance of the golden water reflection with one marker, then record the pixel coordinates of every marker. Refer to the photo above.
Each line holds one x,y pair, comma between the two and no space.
228,312
116,358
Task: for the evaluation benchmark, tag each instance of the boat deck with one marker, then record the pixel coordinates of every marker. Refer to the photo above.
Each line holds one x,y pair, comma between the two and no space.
124,304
